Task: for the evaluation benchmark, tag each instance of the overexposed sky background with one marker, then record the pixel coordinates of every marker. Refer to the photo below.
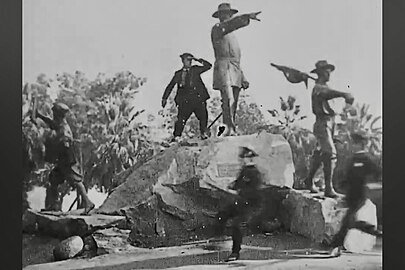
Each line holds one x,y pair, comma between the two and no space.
147,36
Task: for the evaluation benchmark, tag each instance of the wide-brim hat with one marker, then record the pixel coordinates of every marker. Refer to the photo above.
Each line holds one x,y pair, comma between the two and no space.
60,108
224,7
323,65
186,55
247,152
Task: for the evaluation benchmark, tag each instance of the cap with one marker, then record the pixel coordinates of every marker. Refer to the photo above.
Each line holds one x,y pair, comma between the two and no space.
186,55
247,152
60,107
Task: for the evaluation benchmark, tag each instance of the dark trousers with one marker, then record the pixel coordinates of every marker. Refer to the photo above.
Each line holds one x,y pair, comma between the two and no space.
61,172
348,222
240,211
185,109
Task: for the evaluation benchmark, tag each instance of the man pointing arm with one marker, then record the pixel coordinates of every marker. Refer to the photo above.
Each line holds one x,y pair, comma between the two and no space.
228,75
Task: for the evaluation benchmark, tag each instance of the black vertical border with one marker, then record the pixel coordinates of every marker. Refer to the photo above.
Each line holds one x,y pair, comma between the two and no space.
394,135
10,112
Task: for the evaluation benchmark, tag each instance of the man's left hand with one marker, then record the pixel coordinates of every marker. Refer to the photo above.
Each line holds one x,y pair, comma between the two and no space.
253,16
245,85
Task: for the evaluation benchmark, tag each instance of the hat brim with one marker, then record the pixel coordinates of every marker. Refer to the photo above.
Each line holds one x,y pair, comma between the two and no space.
329,67
249,155
232,11
186,56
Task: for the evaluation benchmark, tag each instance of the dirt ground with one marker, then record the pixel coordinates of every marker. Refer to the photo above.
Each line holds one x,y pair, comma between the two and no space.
252,256
255,248
38,249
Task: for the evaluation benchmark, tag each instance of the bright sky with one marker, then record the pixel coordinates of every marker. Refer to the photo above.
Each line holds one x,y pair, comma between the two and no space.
147,36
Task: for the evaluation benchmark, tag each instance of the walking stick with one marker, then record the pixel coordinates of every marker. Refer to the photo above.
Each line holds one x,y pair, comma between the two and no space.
73,203
216,119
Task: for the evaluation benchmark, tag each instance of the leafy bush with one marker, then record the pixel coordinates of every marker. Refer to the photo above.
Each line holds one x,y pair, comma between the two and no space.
108,139
301,140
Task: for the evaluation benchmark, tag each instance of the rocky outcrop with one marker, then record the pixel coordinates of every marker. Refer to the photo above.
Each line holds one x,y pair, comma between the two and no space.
176,195
64,225
68,248
113,240
313,216
29,222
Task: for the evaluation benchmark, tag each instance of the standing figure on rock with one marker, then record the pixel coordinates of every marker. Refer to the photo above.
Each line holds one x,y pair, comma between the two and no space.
359,226
325,152
247,206
60,151
191,96
228,75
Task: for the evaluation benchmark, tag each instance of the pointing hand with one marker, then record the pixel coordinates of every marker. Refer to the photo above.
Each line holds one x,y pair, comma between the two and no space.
253,16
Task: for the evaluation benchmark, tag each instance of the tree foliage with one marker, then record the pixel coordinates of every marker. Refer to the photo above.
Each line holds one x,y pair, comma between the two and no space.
108,137
249,117
301,140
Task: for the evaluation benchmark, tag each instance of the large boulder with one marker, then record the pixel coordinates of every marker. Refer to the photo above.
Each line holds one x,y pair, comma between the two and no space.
316,217
176,195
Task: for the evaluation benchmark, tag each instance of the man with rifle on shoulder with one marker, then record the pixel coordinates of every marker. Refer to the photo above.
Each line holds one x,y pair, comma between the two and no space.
60,151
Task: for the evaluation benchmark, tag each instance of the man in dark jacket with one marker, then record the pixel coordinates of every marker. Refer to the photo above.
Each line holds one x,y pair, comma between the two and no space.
324,126
247,203
361,170
191,96
60,151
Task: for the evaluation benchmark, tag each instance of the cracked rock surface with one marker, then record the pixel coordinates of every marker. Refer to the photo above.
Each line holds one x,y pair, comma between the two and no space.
174,197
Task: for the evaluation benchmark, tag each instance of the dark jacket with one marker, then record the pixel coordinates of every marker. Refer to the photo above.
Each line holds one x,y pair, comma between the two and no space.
248,183
194,87
362,169
59,148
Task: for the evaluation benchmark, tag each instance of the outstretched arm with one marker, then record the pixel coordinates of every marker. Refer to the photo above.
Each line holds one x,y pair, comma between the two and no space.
223,28
328,94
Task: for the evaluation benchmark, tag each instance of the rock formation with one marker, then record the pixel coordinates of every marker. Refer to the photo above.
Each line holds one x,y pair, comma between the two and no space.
314,216
175,196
